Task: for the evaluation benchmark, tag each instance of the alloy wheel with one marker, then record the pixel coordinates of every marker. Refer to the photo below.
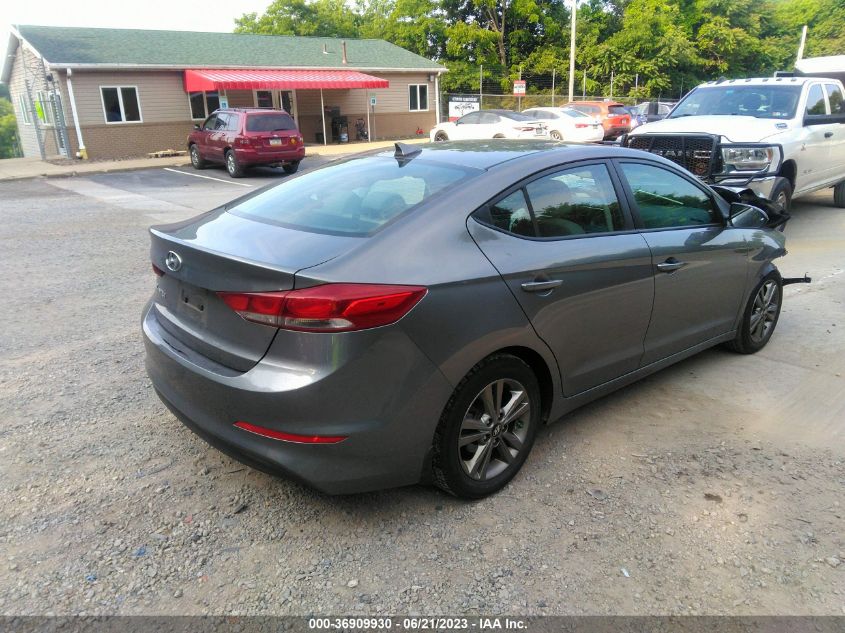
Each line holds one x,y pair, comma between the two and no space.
195,157
494,429
230,163
764,312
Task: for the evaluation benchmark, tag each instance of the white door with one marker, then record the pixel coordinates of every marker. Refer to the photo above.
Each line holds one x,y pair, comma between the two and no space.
836,102
813,164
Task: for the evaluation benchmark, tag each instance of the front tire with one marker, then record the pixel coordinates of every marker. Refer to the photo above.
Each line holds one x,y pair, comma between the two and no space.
760,316
839,195
232,166
487,428
290,168
196,160
440,137
782,194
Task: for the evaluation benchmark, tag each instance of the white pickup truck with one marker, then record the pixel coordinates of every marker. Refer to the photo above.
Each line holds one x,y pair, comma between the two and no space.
781,137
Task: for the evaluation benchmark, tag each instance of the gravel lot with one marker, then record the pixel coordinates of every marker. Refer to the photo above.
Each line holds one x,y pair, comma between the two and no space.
713,487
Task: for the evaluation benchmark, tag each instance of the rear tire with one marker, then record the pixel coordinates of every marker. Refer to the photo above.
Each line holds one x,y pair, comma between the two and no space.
232,166
556,136
839,195
440,137
499,136
760,316
196,160
290,168
487,428
782,194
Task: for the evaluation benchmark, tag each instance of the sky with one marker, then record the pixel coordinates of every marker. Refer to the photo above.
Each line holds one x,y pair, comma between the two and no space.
177,15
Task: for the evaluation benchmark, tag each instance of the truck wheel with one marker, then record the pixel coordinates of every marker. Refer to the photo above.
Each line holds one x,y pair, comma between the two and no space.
839,195
782,194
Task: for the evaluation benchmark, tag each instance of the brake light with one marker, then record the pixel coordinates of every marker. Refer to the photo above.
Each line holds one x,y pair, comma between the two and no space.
289,437
327,308
582,125
523,128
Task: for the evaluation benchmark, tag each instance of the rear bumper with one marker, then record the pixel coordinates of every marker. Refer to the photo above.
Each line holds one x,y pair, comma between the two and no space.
380,391
247,156
615,131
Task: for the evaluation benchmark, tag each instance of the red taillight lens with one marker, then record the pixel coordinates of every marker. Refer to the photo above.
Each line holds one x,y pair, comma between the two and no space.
523,128
158,271
328,308
290,437
582,125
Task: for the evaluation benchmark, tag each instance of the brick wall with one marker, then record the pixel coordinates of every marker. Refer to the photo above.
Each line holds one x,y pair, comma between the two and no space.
125,141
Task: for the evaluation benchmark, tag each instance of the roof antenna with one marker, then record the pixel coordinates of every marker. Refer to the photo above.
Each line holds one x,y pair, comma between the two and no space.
404,153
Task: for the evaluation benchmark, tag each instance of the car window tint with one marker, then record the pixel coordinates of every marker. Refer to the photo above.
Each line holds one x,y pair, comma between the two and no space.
511,214
210,122
617,109
356,197
834,95
269,123
666,200
472,117
815,101
488,118
575,202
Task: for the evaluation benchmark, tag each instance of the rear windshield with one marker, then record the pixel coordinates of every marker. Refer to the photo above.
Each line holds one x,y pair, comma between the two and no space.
617,109
575,114
352,198
269,122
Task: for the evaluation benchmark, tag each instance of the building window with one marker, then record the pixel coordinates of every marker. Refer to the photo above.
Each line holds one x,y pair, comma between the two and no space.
418,97
121,104
24,110
203,103
263,99
43,108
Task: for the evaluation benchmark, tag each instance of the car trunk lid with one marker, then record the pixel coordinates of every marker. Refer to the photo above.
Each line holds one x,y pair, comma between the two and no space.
222,252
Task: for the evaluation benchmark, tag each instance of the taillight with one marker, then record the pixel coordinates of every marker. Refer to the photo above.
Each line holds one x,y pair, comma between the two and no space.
582,125
327,308
158,271
523,128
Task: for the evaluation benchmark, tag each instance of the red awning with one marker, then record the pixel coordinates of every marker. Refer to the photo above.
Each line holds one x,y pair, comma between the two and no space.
210,79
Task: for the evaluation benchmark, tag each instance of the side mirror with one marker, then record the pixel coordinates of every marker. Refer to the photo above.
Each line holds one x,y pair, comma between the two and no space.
197,126
747,216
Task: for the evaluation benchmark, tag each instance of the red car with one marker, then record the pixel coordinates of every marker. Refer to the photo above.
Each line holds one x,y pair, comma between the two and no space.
613,116
245,137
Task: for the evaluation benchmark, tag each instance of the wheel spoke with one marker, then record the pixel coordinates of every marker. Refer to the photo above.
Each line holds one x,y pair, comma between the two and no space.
480,460
489,402
471,438
512,440
474,424
505,452
515,408
755,320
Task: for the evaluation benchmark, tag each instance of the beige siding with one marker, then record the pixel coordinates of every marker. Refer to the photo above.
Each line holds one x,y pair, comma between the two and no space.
240,98
161,95
28,67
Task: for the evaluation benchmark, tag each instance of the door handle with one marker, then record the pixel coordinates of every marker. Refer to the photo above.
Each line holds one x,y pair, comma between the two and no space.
828,134
670,265
541,286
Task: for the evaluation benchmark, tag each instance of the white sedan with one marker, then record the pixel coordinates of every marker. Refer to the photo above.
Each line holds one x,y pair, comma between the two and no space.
567,124
484,124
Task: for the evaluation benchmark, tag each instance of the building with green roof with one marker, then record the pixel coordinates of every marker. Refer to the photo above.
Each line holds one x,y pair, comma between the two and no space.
113,93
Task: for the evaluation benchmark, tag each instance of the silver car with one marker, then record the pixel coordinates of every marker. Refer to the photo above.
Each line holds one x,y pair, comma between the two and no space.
415,316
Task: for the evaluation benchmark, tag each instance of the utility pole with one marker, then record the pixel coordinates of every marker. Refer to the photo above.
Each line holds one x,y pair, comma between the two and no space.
519,98
611,84
553,87
572,52
801,45
584,86
480,85
637,86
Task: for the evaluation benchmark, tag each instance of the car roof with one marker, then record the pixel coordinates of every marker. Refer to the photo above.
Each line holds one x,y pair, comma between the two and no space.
759,81
253,110
485,154
598,103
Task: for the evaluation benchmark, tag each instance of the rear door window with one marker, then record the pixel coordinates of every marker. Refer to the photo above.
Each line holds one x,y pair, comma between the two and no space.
356,197
835,97
511,214
666,200
576,201
269,122
815,100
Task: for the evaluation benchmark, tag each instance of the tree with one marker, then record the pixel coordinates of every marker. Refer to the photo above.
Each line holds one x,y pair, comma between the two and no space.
326,18
8,130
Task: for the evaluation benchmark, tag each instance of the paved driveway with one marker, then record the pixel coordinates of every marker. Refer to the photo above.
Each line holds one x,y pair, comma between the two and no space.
714,486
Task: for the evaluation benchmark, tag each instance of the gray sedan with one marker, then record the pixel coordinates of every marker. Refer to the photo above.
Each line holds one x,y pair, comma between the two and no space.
416,315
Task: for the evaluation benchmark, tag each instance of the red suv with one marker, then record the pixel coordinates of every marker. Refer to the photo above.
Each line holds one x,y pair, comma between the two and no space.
243,137
613,116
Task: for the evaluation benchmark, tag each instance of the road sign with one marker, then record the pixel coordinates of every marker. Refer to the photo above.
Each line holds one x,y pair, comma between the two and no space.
518,87
372,100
